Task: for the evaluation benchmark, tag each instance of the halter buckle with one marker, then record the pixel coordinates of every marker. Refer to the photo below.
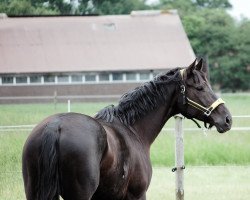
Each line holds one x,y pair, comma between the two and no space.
208,112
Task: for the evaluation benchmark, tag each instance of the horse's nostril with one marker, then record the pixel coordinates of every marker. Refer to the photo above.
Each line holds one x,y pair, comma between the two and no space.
228,120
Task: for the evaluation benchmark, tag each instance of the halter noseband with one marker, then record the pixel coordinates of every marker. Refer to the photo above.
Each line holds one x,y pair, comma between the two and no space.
206,111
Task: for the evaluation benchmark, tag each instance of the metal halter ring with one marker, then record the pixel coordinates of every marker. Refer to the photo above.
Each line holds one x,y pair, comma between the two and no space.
183,89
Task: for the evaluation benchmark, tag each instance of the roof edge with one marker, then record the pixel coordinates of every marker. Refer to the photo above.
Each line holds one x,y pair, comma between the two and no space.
39,16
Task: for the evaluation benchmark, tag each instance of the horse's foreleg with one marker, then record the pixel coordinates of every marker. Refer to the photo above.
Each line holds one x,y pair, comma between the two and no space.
131,197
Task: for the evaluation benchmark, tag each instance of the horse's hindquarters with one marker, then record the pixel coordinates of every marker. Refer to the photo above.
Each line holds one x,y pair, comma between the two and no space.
79,142
80,154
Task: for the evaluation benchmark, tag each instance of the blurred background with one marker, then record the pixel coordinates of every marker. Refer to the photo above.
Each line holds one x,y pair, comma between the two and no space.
82,55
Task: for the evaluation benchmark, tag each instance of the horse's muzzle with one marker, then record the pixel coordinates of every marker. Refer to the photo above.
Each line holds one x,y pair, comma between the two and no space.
224,124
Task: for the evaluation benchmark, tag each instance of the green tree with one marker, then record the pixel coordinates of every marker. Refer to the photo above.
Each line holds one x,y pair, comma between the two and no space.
195,4
85,7
190,6
183,6
61,6
3,6
215,35
17,7
213,3
233,71
105,7
210,31
25,7
36,3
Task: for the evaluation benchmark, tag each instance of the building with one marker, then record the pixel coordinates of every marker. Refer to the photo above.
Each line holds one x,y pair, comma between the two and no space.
91,58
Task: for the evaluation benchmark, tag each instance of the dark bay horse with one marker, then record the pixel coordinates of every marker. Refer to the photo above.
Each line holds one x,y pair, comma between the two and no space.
107,157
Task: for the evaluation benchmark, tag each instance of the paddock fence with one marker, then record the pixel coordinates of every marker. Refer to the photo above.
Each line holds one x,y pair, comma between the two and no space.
10,128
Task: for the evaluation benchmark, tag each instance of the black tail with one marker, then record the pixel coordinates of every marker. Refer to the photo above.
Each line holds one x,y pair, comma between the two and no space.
48,187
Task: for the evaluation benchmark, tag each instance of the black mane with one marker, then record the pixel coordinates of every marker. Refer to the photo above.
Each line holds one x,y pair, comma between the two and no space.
137,103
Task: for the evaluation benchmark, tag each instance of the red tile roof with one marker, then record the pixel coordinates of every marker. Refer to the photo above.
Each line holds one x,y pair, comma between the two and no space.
98,43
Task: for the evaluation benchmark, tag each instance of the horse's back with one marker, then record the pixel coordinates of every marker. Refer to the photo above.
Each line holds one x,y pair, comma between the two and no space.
79,142
77,131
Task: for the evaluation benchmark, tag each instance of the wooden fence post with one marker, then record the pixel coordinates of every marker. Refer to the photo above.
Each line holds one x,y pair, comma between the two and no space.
179,158
55,99
69,106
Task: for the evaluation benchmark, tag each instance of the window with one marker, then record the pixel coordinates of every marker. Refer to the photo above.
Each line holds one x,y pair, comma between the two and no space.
144,76
35,79
63,79
103,77
76,78
7,80
117,76
49,79
131,76
90,78
21,79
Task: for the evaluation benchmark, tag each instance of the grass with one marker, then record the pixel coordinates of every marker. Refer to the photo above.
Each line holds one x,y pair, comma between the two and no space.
206,183
22,114
11,145
203,183
214,149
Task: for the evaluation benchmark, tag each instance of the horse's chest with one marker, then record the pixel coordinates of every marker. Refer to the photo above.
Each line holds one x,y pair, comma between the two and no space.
125,168
139,182
137,173
128,180
124,186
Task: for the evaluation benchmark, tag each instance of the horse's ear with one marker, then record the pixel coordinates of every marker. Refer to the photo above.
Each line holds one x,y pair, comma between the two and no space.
205,67
199,66
192,65
202,66
191,68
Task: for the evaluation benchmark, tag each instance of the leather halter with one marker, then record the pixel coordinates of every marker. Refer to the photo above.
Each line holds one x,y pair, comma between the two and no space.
206,110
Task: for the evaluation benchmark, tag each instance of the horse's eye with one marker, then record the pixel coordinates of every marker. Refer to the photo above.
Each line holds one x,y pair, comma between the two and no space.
200,88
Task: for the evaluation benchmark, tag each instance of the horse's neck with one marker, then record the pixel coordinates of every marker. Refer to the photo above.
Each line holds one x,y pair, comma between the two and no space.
150,126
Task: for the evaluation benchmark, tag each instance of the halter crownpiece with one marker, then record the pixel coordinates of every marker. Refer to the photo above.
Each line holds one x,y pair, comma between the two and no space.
182,73
206,111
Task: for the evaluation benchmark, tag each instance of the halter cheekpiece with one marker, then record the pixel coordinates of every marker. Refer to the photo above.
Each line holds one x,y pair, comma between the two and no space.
206,110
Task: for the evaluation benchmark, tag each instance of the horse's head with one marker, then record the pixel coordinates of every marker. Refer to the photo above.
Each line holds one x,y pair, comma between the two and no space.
197,99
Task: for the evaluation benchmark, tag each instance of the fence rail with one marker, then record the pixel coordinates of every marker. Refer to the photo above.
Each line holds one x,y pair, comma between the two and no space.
10,128
17,128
